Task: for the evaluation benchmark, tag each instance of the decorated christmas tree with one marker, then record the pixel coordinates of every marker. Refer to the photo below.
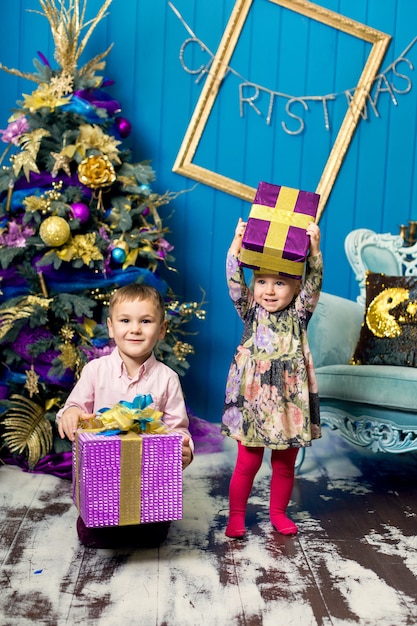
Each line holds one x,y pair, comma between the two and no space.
78,219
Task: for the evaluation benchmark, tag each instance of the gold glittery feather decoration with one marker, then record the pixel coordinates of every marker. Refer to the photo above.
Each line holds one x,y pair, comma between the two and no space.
32,380
25,308
26,430
67,24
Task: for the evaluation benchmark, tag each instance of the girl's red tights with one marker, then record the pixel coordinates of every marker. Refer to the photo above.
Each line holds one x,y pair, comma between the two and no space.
282,483
248,462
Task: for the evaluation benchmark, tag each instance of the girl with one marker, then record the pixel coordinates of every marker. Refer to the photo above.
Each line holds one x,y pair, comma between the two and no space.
271,392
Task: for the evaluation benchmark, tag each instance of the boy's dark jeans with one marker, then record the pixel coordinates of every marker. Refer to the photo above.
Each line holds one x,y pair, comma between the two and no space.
137,536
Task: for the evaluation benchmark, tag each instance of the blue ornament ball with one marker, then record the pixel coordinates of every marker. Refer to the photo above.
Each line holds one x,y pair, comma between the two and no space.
118,255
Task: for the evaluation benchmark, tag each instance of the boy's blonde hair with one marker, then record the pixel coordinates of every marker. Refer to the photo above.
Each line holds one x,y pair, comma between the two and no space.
139,292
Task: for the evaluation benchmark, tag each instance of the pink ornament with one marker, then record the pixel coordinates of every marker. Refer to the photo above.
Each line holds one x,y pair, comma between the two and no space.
124,127
80,211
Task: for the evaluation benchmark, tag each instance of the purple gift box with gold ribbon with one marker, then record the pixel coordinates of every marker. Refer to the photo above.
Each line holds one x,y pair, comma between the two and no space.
127,478
275,237
123,477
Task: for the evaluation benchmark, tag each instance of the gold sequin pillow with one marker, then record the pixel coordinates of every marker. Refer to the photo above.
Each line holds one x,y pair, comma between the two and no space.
389,330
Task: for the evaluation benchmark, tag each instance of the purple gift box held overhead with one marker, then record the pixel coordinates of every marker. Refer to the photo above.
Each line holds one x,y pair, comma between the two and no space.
126,479
275,238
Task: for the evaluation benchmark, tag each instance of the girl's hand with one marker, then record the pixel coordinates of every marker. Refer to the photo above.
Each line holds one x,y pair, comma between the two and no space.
313,231
240,228
237,240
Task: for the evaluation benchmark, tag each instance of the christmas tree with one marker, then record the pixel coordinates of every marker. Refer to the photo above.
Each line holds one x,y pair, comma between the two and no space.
78,219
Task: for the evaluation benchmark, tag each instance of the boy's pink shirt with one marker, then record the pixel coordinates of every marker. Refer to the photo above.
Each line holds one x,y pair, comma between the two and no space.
104,382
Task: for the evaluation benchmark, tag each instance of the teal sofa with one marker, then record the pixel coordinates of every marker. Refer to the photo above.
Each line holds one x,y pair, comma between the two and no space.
373,406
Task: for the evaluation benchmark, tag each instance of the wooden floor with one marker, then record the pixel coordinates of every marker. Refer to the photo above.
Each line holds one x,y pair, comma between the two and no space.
354,560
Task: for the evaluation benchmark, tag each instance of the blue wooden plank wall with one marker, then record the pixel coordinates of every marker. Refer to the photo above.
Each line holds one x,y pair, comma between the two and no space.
278,50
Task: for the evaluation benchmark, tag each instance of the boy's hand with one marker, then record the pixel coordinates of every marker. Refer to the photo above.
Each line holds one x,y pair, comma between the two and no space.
313,231
68,422
187,455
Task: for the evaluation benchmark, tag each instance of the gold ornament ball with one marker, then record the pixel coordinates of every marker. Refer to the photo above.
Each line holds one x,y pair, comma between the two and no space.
54,231
121,244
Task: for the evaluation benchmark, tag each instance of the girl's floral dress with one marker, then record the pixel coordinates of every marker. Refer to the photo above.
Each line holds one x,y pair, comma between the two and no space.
271,393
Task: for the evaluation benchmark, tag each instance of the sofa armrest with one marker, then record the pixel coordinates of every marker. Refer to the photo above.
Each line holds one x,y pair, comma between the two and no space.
333,331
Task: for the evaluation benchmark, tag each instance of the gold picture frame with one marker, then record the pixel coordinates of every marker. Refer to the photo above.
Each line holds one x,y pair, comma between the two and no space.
184,162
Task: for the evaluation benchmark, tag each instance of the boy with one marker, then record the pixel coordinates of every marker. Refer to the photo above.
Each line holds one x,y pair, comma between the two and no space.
136,323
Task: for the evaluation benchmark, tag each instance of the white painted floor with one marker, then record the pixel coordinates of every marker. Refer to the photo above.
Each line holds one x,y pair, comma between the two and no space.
354,560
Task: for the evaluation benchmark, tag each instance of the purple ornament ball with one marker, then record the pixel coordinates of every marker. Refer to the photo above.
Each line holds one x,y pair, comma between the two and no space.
124,127
4,392
80,211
